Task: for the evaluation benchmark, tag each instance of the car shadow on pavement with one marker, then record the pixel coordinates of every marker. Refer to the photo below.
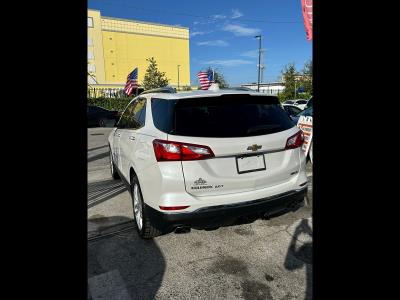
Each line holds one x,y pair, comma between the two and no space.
101,191
96,148
98,156
299,254
121,265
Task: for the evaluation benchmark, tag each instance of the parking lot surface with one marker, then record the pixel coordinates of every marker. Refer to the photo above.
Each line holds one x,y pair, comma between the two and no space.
266,259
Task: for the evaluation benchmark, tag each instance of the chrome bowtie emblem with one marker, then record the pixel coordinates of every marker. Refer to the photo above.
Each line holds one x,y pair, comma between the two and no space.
254,147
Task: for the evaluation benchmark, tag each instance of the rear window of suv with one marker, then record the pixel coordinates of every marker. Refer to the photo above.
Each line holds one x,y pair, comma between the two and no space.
222,116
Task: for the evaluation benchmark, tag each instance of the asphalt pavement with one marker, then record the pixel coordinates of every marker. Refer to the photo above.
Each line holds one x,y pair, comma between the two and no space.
266,259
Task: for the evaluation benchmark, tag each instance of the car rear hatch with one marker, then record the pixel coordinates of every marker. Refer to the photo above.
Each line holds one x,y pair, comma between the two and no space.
247,135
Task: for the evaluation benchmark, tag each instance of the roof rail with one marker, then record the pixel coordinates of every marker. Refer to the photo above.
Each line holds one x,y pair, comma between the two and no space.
166,89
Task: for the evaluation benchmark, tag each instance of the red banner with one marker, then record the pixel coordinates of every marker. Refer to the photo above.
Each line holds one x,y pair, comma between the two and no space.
306,7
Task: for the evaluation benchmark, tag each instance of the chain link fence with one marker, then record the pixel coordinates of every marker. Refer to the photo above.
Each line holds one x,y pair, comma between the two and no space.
105,92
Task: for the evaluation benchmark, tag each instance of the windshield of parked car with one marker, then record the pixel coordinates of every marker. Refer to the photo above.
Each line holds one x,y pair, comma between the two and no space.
222,116
309,103
307,112
301,102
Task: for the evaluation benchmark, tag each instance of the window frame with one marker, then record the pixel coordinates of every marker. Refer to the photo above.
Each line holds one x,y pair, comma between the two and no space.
131,121
90,18
92,56
133,114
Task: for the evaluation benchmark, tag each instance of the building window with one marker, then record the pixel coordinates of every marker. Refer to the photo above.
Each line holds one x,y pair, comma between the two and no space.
91,68
90,41
90,55
91,80
90,22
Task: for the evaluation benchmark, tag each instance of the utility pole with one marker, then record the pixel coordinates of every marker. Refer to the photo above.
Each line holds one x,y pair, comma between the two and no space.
259,61
178,76
262,66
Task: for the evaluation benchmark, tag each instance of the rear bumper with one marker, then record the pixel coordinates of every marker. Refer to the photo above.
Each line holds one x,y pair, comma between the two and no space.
214,216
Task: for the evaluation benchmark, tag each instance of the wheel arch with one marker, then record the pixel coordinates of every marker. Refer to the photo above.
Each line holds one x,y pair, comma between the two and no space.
132,173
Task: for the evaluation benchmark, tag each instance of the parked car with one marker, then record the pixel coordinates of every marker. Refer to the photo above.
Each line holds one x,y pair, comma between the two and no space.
309,103
203,159
292,110
101,117
300,103
290,102
306,112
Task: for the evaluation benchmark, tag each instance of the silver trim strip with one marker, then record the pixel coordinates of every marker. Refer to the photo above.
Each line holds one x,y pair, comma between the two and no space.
250,153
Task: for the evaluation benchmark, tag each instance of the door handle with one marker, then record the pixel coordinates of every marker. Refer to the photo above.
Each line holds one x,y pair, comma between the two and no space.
132,138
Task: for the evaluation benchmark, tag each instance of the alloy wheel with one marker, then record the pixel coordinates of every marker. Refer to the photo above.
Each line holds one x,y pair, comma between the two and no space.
137,206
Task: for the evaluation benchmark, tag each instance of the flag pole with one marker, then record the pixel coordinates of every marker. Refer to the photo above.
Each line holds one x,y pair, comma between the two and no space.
137,86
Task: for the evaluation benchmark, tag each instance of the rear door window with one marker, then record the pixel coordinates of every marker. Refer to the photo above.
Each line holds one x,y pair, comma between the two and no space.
124,120
134,115
139,114
222,116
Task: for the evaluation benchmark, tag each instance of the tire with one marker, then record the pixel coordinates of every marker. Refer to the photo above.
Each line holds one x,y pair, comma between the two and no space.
144,226
114,173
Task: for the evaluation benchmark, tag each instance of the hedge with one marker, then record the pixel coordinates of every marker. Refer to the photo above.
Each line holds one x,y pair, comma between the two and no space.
118,104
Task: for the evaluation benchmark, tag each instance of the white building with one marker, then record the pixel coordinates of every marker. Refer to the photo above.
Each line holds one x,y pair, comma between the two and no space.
271,88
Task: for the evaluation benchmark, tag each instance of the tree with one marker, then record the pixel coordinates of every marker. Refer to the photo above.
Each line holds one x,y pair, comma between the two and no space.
218,78
289,76
153,77
293,80
306,78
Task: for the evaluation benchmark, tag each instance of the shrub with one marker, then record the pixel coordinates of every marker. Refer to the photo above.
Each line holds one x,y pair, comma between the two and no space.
118,104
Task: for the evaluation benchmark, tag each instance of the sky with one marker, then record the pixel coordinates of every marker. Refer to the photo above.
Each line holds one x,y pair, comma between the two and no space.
222,33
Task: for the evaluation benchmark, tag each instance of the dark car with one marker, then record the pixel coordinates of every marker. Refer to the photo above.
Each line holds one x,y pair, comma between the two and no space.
309,103
101,117
291,110
307,112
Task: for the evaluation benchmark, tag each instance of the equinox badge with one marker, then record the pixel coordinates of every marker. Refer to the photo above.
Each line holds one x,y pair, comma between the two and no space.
254,147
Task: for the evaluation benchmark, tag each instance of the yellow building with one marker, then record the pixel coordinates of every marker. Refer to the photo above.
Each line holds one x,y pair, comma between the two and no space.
117,46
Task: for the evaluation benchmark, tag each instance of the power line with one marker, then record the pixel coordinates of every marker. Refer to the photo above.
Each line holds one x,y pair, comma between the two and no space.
199,16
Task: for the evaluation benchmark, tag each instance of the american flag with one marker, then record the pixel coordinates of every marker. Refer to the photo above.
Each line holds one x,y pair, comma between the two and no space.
306,7
205,78
131,82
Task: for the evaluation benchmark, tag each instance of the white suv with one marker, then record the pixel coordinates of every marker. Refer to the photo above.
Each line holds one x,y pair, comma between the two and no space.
207,158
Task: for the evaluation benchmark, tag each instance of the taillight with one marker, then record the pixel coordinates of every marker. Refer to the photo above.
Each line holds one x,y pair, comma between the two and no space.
173,151
295,141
